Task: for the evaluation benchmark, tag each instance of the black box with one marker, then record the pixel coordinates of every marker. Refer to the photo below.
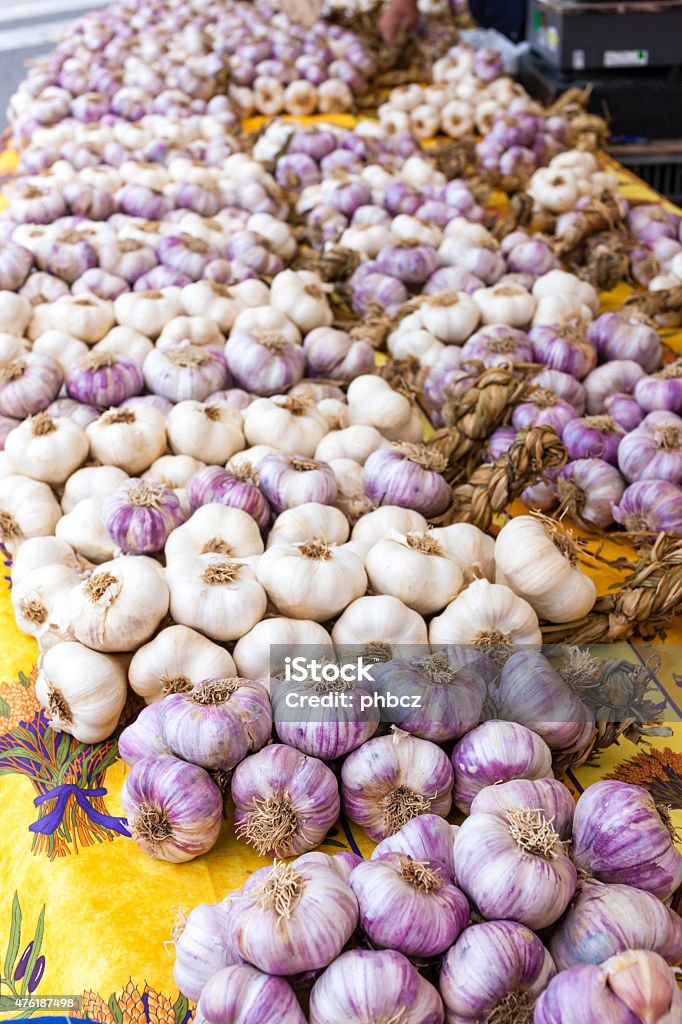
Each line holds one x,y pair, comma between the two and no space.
601,34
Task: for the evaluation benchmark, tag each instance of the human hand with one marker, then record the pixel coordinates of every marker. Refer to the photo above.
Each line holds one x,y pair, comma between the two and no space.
398,16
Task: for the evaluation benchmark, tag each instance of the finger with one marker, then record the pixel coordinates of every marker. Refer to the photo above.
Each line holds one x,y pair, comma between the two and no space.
387,27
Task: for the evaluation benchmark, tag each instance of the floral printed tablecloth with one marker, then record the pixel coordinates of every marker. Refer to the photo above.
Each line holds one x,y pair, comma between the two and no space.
84,913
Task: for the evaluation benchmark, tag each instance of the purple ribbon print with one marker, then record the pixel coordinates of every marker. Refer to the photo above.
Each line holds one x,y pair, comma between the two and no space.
51,821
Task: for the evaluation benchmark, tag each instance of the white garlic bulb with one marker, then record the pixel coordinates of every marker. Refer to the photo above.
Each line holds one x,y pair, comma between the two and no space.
311,519
175,661
505,303
218,596
119,606
372,401
62,347
539,560
378,622
125,341
15,312
210,431
28,508
311,580
301,295
266,318
266,645
415,568
197,330
356,442
486,613
213,300
84,691
147,312
417,344
174,471
378,524
215,529
47,449
451,316
84,530
290,425
128,438
85,317
37,597
471,548
39,551
96,482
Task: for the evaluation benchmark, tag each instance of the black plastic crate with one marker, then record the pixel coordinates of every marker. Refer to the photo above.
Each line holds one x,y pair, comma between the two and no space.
656,164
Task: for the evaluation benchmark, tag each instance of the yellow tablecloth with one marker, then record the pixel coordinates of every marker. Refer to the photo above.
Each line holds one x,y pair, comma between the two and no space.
98,910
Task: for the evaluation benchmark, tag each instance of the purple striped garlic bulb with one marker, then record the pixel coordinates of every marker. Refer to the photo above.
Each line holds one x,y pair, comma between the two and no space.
426,837
285,802
513,866
653,451
239,992
391,779
325,733
293,917
543,407
495,970
625,335
264,361
588,489
662,390
185,371
142,738
174,809
634,986
530,692
368,986
217,723
202,947
498,345
494,752
603,920
593,437
213,484
547,795
450,696
408,905
620,835
140,516
291,480
651,506
408,475
104,379
336,354
28,384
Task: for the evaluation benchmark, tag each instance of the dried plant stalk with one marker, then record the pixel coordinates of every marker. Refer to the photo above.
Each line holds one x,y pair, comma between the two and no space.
493,485
642,606
607,261
602,214
622,696
406,376
454,157
656,303
519,215
471,419
335,263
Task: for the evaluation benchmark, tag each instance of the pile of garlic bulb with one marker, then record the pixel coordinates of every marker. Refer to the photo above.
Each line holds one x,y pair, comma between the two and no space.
125,65
203,474
570,181
467,92
543,946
